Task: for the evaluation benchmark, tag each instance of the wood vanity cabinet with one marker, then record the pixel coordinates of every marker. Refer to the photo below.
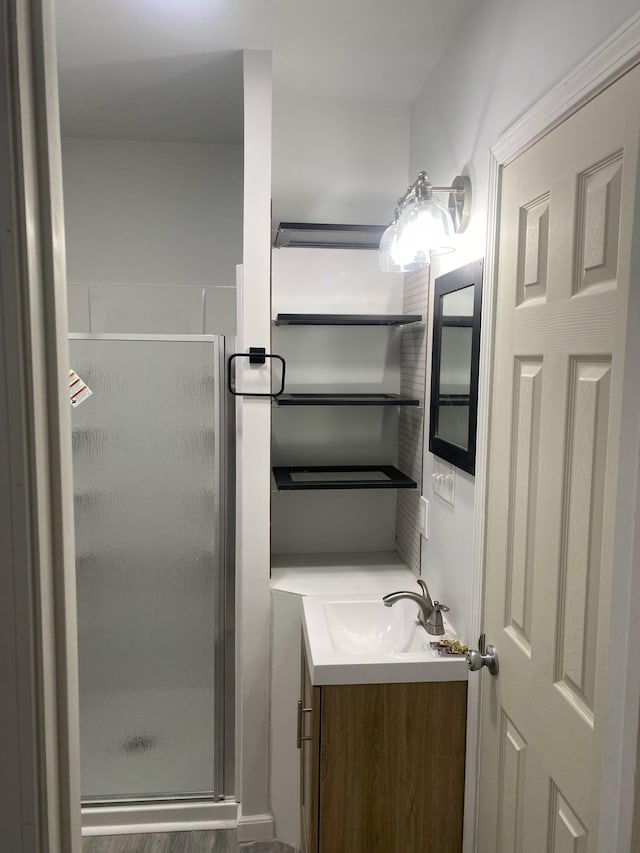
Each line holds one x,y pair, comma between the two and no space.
382,767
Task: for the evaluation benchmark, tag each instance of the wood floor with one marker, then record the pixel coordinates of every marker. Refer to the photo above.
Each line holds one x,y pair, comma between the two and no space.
220,841
165,842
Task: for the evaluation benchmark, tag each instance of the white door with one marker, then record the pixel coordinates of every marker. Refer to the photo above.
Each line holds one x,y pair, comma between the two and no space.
567,208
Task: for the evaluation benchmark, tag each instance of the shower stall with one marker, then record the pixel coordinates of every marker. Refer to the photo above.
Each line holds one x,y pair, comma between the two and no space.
154,496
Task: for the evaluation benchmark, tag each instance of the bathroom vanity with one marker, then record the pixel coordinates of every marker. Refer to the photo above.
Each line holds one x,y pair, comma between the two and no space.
381,733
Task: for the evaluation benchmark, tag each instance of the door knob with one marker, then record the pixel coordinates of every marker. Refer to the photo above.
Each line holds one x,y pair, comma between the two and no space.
484,656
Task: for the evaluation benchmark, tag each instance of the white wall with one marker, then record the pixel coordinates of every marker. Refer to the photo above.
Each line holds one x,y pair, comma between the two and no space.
142,215
336,160
152,212
506,55
253,463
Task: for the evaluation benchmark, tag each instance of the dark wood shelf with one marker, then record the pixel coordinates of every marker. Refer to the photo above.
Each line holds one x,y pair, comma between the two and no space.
346,319
305,477
328,399
313,235
454,400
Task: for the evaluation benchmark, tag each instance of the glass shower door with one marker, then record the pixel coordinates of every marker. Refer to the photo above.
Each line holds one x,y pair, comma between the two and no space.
150,556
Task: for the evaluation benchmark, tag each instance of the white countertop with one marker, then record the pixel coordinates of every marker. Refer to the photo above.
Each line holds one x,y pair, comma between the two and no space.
379,646
348,574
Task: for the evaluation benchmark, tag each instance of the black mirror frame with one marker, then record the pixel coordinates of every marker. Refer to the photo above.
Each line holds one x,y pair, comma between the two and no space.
467,276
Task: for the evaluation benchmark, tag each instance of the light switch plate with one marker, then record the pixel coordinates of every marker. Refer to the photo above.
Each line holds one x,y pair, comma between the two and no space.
424,517
443,478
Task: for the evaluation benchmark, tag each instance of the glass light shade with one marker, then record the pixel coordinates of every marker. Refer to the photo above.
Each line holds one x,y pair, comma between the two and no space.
425,228
388,255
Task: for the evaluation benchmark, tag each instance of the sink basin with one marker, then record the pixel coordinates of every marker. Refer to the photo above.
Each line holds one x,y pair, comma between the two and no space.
357,640
367,627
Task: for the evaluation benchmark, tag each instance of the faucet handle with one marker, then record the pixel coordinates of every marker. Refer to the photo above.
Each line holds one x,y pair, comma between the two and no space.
425,590
435,625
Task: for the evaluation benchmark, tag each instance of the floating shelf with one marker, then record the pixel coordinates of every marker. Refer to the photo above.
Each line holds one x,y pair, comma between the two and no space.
345,400
454,400
346,319
310,235
454,395
298,477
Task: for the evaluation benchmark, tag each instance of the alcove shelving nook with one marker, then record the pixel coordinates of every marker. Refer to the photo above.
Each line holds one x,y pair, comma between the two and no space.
347,444
347,432
370,476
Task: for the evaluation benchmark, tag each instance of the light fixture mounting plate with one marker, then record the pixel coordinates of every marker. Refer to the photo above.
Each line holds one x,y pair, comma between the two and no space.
460,202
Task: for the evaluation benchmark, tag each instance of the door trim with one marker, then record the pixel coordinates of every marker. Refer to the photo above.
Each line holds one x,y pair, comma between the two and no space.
606,64
39,780
602,67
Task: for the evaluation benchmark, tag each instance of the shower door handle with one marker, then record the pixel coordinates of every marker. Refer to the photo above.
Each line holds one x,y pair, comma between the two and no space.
256,355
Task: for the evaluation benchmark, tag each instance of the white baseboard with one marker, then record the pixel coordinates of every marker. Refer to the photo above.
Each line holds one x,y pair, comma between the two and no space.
257,827
158,817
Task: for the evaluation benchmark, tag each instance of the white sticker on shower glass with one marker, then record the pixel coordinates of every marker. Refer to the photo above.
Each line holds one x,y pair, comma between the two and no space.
79,391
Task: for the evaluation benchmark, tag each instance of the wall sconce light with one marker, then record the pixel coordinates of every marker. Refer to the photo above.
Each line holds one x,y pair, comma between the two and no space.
422,226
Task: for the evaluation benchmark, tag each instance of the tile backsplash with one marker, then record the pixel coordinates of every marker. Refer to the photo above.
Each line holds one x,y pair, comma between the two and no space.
411,420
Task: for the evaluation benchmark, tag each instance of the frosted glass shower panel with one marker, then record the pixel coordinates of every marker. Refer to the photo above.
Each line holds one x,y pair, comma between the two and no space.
148,558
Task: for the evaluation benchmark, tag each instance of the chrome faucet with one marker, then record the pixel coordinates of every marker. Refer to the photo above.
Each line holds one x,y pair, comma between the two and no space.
430,612
423,601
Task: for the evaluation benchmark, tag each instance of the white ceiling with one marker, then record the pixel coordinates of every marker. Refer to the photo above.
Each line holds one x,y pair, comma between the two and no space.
364,49
166,69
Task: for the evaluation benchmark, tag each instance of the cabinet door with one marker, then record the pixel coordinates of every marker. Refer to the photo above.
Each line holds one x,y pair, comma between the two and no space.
392,768
309,759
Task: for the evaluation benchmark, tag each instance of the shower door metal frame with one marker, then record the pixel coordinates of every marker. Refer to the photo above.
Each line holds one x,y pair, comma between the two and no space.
223,723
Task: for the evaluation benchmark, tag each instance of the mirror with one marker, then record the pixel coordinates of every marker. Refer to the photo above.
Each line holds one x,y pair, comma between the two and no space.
454,366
